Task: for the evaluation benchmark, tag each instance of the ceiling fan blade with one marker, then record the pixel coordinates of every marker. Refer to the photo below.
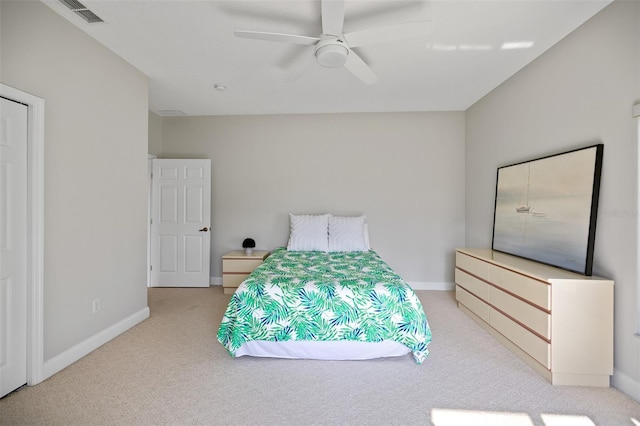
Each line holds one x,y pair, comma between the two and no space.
359,68
301,68
389,33
332,17
283,38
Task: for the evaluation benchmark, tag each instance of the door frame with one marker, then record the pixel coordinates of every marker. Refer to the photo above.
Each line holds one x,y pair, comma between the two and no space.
150,159
35,230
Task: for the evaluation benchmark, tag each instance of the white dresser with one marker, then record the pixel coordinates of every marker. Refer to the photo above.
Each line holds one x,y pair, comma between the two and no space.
559,322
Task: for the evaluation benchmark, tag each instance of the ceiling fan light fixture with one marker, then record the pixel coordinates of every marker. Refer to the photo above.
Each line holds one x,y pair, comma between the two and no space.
332,55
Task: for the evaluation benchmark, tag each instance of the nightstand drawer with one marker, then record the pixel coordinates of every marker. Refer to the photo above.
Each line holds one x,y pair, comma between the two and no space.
233,280
240,265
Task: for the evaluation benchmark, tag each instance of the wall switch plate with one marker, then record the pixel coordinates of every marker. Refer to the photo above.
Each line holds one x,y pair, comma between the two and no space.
96,305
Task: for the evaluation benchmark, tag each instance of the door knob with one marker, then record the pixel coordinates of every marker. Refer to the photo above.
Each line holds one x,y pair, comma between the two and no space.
205,229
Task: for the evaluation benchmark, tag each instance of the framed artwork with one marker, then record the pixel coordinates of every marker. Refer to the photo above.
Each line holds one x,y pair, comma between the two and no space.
546,209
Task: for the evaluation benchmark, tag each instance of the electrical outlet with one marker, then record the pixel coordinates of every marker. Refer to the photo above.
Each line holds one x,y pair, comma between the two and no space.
96,305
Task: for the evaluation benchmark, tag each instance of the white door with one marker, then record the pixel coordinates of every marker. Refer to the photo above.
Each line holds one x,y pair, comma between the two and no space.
13,245
180,223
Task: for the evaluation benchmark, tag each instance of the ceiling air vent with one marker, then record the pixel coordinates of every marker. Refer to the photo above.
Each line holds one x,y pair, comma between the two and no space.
82,11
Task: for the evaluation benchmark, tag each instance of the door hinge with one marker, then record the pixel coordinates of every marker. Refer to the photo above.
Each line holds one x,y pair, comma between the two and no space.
151,267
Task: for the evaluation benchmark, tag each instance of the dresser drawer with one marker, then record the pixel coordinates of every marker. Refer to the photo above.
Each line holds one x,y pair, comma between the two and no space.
534,318
474,304
529,289
472,265
521,337
240,265
472,284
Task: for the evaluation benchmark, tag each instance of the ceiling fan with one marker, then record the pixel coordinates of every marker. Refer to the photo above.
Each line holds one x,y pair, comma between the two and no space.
334,49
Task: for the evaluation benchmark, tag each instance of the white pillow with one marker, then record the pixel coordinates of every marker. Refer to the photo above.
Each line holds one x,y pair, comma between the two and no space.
308,232
347,233
367,244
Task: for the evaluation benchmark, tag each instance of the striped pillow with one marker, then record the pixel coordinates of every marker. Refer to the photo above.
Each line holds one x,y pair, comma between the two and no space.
309,232
347,233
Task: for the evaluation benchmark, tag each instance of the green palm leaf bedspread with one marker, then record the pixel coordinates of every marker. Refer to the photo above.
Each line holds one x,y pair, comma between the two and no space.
309,295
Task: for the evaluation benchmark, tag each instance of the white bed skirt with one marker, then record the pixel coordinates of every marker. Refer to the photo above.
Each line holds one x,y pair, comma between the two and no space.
341,350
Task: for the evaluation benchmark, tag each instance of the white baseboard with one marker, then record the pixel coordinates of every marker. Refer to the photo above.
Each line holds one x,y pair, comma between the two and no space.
626,384
432,286
215,281
83,348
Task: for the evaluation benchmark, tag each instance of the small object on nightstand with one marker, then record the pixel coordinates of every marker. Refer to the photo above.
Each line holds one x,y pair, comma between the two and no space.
237,265
248,245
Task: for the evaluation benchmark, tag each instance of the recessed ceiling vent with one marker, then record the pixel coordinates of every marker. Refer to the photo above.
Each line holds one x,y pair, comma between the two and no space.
82,11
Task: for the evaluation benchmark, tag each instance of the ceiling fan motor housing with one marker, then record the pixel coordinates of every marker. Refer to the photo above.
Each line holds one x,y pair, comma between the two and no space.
331,53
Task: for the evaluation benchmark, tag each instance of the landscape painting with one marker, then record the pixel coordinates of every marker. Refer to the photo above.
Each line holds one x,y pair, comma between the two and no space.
545,209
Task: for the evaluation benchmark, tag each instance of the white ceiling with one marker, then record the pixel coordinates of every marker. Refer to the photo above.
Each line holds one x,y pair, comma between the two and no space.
185,47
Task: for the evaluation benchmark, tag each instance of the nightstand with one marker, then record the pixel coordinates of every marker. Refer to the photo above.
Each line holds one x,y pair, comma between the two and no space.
237,265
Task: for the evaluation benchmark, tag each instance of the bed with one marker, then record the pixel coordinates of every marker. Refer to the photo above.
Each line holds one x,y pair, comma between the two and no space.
325,304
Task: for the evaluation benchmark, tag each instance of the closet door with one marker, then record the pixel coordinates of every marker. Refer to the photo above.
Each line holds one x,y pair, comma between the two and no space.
13,245
180,223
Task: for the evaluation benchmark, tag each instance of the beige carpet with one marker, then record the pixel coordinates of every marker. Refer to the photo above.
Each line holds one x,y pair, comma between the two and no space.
171,370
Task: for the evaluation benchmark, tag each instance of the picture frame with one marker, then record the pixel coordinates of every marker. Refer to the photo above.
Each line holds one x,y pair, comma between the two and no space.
546,208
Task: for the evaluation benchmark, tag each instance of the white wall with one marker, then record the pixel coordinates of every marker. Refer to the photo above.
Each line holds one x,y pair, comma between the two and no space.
403,170
96,113
578,93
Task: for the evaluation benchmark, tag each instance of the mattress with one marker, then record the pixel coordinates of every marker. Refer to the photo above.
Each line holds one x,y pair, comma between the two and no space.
309,304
